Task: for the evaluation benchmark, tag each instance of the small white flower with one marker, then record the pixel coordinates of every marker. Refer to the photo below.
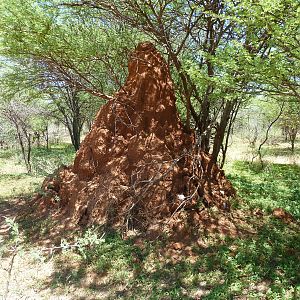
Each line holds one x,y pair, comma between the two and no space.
180,197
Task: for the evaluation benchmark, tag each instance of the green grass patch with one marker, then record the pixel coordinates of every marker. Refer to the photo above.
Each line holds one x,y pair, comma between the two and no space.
7,153
261,266
18,185
264,265
14,180
46,161
277,185
282,150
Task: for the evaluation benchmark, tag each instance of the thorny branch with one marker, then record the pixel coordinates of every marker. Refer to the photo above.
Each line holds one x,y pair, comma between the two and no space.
141,187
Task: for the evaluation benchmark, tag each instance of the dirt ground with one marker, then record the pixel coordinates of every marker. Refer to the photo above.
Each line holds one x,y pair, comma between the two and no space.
29,272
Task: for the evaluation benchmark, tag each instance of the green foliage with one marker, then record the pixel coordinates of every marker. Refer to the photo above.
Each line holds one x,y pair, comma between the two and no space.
90,239
13,230
219,52
255,265
261,264
46,161
228,53
291,115
18,185
252,262
275,186
51,41
113,254
15,182
49,50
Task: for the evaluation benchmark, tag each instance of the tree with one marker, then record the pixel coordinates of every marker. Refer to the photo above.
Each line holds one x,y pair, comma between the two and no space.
219,51
72,108
215,48
280,75
20,116
67,58
48,44
290,121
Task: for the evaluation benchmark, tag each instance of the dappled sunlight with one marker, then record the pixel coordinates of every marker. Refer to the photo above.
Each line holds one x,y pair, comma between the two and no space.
158,169
237,254
275,186
156,269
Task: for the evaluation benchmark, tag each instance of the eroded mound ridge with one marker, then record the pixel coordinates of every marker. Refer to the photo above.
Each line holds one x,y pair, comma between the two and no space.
137,165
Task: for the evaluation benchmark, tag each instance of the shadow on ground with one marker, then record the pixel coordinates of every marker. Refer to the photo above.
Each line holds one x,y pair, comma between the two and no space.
263,265
281,151
257,265
275,186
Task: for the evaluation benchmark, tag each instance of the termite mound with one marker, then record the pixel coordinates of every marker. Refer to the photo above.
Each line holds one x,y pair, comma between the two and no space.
138,165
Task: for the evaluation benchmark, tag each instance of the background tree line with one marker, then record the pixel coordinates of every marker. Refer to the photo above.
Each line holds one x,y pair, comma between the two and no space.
69,57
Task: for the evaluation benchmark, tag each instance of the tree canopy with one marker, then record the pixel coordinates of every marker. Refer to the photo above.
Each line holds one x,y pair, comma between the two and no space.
221,53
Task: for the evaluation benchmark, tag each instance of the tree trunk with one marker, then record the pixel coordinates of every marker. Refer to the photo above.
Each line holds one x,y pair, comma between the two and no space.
220,130
47,137
26,156
204,130
76,133
29,169
229,131
74,127
292,136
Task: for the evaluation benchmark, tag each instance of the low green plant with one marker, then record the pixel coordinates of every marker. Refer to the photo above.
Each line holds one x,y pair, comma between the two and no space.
46,161
277,185
13,230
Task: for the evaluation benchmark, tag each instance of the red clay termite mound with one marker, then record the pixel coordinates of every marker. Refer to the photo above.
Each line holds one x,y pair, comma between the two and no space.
137,165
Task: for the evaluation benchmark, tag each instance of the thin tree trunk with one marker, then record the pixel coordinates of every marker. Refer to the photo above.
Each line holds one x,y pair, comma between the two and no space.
26,157
220,131
76,133
293,135
204,130
267,136
47,137
229,131
29,153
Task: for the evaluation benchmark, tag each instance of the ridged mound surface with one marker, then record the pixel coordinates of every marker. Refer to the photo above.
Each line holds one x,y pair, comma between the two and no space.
137,165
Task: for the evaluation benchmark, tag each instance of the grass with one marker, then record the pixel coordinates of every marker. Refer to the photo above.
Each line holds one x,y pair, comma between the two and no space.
264,265
45,161
277,185
272,152
14,186
16,182
283,149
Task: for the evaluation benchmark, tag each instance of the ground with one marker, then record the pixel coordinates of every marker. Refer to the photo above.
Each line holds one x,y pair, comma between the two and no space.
259,261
